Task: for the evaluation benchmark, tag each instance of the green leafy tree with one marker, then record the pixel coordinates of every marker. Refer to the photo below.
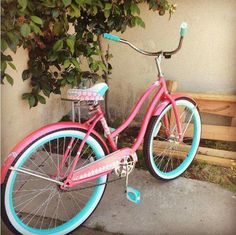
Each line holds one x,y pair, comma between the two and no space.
59,33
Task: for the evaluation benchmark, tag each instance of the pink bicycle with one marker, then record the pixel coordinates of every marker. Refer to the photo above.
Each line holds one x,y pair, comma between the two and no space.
54,179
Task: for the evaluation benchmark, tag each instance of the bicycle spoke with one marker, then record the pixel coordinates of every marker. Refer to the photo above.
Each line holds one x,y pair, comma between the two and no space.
168,151
63,205
45,210
28,201
36,210
42,204
50,156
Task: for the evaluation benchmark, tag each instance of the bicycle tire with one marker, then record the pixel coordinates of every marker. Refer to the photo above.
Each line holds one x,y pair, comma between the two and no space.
155,146
9,214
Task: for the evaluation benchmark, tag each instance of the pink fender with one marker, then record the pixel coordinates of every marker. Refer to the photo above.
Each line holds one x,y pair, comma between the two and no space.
163,104
35,135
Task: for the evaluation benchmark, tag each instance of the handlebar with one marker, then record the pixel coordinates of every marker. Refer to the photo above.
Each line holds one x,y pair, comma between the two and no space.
111,37
183,29
166,54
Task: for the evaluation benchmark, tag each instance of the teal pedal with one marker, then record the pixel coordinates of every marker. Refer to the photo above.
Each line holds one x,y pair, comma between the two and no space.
133,195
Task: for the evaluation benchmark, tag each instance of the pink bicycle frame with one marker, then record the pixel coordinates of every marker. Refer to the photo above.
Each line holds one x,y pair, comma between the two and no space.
106,164
162,94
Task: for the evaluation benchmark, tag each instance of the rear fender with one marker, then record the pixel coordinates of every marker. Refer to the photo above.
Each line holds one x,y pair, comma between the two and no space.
166,102
38,133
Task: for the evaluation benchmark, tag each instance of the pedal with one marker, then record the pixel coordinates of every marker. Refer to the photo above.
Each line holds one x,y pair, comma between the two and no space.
133,194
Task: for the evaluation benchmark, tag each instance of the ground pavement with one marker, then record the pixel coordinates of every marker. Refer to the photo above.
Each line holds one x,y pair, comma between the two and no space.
181,206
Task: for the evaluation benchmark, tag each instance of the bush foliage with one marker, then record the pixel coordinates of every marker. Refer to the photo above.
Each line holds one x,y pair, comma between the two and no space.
58,33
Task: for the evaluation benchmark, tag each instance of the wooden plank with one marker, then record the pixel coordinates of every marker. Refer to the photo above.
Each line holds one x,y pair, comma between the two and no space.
171,86
233,121
201,150
216,104
217,153
218,161
222,108
212,132
214,97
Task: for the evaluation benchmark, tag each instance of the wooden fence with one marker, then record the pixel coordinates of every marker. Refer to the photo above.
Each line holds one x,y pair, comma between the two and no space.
219,105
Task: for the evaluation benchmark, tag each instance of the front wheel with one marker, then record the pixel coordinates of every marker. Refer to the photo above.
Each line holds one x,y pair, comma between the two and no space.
33,205
166,157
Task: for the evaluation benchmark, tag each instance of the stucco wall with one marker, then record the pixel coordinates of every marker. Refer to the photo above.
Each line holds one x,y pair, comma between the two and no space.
17,120
206,63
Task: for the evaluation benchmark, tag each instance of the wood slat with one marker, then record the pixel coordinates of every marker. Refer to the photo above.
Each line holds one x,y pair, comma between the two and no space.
212,132
224,105
214,97
181,154
222,108
201,150
233,121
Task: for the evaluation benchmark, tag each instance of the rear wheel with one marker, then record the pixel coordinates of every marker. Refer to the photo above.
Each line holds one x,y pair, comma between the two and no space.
166,157
33,205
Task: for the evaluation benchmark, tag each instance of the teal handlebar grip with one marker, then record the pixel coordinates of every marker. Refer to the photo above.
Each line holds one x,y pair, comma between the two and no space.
183,29
111,37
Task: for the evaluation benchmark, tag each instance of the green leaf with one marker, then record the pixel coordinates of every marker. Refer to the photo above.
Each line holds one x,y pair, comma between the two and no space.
66,63
55,13
3,45
75,63
106,13
14,40
134,9
23,4
133,22
35,28
31,101
95,10
75,12
102,66
139,21
9,79
36,20
25,96
6,57
58,45
41,99
58,28
108,6
63,82
46,92
25,74
52,57
70,78
71,43
25,30
66,2
3,66
12,65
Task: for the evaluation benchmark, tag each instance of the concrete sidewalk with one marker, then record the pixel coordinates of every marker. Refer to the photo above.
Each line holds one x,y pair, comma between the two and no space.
181,206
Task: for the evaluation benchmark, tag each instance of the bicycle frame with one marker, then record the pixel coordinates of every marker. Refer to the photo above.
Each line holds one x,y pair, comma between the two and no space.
108,163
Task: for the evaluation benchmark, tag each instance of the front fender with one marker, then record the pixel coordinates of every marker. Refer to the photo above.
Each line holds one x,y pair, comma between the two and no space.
166,102
35,135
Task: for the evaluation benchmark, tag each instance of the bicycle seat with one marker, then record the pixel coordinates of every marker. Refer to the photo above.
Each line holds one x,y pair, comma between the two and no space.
95,93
